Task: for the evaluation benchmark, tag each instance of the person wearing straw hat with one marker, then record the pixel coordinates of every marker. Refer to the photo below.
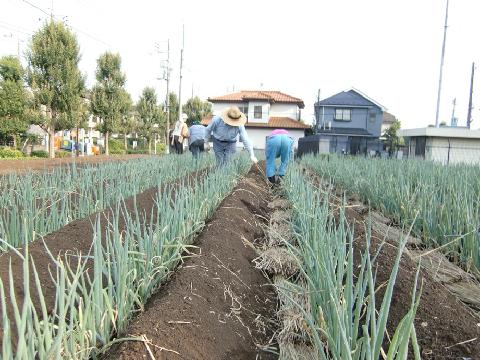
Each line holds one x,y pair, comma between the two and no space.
180,131
224,130
279,144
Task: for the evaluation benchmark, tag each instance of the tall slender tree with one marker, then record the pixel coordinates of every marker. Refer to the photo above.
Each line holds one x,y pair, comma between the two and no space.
151,117
391,138
127,123
54,76
13,99
174,107
196,109
109,101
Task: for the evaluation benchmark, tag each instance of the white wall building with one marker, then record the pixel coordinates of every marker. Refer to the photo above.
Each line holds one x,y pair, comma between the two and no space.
448,145
266,111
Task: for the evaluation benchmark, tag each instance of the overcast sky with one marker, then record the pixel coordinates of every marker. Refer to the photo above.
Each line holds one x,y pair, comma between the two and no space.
388,49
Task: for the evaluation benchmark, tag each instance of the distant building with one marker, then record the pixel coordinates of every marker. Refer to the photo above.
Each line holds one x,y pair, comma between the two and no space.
349,122
266,111
448,145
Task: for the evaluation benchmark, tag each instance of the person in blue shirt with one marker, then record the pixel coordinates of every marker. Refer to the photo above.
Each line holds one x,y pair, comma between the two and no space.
224,130
279,144
196,139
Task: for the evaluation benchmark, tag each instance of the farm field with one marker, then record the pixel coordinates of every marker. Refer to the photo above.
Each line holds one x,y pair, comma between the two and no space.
36,204
25,165
212,263
442,204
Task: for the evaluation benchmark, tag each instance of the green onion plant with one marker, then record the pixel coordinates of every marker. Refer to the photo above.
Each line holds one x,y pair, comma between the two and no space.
96,298
345,319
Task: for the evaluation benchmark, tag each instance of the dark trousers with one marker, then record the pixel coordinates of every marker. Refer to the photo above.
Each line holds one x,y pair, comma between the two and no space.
177,145
197,147
224,150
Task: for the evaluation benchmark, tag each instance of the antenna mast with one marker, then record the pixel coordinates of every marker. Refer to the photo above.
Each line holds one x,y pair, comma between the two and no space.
441,66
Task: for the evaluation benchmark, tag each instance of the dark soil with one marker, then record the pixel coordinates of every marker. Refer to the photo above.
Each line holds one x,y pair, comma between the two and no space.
23,165
69,241
442,321
216,305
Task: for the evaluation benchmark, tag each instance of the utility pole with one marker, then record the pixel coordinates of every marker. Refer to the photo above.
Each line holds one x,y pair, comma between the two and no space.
453,122
167,101
165,66
180,84
316,112
469,115
441,66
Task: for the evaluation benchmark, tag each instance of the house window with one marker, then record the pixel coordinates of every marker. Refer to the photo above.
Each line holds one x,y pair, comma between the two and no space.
343,114
243,108
257,112
372,117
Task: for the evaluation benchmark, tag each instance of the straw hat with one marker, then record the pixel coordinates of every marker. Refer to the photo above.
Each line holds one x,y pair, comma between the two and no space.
233,116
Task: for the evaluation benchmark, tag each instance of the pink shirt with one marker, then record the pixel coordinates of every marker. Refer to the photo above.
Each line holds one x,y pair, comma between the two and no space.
279,132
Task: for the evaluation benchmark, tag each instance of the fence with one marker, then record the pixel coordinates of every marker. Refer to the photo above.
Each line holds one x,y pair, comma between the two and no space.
353,145
450,154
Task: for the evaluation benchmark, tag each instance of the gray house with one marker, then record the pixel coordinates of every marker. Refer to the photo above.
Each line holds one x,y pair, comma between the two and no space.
348,122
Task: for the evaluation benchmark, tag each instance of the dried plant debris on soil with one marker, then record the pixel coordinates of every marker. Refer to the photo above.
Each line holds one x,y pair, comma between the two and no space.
278,261
293,336
217,305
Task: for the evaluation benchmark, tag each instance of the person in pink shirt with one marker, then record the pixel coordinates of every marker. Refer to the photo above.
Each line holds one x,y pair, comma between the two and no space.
279,144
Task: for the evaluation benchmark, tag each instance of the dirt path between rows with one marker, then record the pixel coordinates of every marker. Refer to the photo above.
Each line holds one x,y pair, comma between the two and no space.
216,305
72,239
24,165
446,328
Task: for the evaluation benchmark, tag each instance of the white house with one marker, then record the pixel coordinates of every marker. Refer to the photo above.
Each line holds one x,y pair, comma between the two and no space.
265,110
448,145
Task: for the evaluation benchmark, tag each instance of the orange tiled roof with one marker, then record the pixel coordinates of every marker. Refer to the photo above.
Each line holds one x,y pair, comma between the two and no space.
270,96
273,122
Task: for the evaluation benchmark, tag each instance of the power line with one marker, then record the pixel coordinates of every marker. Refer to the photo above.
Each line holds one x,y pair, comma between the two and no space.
73,27
17,28
89,35
14,30
36,7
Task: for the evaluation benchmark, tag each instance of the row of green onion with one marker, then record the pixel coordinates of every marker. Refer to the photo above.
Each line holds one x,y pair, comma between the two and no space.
37,203
345,318
441,203
128,266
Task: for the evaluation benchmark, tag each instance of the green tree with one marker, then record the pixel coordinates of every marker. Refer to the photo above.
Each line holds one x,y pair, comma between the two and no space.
109,99
196,109
80,117
13,99
128,123
391,137
150,115
54,76
174,107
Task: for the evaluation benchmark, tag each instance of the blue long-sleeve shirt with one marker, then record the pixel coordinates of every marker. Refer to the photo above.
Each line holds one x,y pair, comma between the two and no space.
196,132
224,132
